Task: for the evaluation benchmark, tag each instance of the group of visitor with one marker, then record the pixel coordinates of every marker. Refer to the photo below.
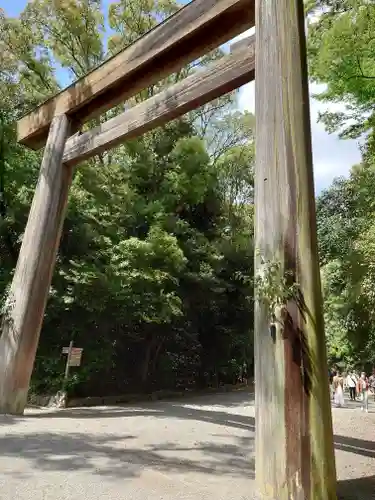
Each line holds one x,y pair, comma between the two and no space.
358,386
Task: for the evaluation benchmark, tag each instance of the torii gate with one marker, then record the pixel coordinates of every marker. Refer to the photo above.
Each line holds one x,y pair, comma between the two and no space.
294,444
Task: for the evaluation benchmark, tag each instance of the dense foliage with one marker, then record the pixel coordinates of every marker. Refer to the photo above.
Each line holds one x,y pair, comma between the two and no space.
152,273
341,54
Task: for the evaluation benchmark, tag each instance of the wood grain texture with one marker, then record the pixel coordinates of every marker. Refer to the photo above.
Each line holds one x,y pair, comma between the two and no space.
294,443
28,293
221,77
196,29
244,44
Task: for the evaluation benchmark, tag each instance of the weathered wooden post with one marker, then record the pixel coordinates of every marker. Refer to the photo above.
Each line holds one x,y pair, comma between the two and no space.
24,309
294,443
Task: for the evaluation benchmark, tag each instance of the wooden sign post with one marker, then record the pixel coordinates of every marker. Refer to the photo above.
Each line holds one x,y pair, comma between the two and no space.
67,351
74,355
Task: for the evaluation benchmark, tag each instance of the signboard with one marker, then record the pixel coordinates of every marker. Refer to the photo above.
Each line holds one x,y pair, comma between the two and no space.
74,359
75,356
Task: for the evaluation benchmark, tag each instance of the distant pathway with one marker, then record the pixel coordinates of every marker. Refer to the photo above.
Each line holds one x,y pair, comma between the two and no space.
183,450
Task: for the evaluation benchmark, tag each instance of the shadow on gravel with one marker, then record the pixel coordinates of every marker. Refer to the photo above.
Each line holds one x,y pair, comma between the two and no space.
232,399
187,409
119,455
8,420
362,488
357,446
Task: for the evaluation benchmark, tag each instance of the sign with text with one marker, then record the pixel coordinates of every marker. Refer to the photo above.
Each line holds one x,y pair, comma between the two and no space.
75,356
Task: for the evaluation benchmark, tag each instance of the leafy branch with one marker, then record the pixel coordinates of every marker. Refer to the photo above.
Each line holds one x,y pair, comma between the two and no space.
275,286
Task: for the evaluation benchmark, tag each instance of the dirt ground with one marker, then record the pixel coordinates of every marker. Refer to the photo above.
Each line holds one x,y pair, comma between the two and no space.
355,451
196,449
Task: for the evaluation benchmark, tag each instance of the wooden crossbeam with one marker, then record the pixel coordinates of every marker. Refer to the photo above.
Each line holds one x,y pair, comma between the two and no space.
227,74
194,30
241,44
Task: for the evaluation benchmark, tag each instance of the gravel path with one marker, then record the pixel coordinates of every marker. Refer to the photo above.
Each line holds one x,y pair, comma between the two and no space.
355,451
192,450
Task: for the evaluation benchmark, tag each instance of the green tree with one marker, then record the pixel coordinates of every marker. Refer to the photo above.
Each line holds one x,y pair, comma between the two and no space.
346,216
341,55
71,30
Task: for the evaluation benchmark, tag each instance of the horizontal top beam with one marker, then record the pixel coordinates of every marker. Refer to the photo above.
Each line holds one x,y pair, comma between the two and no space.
193,31
217,79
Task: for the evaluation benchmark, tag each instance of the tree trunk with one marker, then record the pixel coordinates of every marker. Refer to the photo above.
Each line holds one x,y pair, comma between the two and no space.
25,305
157,355
294,443
146,360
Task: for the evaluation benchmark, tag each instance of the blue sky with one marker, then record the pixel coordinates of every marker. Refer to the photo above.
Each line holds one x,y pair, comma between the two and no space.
12,7
332,157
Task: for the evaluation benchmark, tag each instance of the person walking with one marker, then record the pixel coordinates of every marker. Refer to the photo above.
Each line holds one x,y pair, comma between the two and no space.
357,393
338,387
244,372
371,382
364,391
331,374
351,382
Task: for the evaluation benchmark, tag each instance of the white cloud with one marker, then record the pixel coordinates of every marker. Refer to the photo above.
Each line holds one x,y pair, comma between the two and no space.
332,156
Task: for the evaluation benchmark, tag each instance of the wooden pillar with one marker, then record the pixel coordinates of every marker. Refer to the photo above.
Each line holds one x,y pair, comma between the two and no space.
25,305
294,443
